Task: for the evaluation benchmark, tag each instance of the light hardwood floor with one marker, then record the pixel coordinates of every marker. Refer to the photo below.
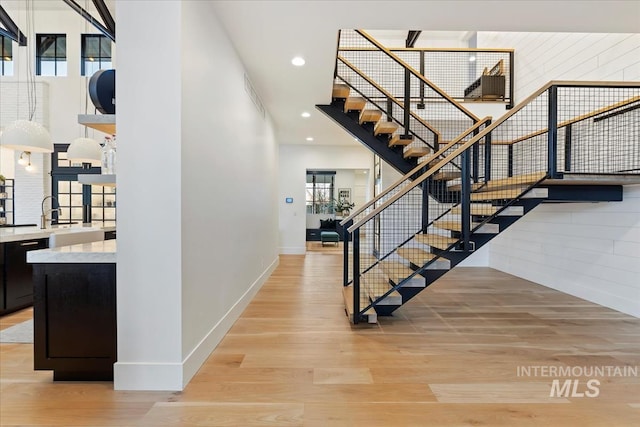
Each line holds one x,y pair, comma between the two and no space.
449,357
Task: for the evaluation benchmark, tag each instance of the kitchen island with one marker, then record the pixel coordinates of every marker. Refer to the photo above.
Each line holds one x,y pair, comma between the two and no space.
74,310
16,287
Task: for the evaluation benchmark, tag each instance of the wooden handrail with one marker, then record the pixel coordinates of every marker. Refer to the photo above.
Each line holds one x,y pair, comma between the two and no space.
478,137
427,49
572,121
417,169
496,70
388,95
418,75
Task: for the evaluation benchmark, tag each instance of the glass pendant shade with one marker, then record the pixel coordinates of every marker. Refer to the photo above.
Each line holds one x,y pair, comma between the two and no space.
84,150
25,135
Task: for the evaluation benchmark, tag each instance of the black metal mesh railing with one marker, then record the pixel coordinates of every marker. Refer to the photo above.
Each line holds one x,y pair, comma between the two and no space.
392,109
434,220
458,71
598,130
400,82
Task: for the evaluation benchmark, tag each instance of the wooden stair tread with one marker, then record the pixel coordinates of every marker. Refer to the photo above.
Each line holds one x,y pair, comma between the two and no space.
457,226
347,295
370,116
397,140
450,225
435,240
340,91
504,194
446,176
478,209
385,128
417,256
416,152
396,270
498,184
483,209
354,103
377,286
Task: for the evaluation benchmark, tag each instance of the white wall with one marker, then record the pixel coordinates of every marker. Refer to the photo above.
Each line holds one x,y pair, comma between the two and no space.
149,258
229,187
587,250
7,162
205,165
590,250
294,161
541,57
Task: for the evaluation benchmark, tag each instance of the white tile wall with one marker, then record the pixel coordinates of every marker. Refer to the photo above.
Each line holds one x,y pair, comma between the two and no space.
30,187
541,57
14,103
590,250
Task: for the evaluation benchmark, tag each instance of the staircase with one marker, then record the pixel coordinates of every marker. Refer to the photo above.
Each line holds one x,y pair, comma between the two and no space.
461,188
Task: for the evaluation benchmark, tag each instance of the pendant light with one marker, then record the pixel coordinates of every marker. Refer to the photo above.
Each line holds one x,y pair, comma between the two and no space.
85,150
27,135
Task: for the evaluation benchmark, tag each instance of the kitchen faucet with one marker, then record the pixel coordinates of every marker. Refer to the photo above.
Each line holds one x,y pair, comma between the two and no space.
43,217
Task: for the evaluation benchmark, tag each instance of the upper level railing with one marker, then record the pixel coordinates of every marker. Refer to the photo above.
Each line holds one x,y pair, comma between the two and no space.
459,71
402,82
565,127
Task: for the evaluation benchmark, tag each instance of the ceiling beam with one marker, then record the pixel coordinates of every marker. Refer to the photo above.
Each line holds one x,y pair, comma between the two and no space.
108,20
412,37
12,31
86,15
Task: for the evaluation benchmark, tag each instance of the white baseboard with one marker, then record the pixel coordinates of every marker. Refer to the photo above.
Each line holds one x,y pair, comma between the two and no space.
293,250
203,349
175,376
147,376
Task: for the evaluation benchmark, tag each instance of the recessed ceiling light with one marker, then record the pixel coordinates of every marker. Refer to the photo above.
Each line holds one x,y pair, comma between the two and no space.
298,61
472,58
309,139
305,114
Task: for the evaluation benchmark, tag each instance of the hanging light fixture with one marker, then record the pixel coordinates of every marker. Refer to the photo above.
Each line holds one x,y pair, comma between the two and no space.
84,150
25,158
27,135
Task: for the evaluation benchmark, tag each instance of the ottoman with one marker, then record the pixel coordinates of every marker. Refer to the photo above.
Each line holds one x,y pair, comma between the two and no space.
329,237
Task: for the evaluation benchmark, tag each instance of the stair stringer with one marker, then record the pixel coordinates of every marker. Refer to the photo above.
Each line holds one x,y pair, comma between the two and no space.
379,145
454,256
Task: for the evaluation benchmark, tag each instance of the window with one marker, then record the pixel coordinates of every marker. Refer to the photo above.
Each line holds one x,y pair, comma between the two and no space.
6,61
320,187
78,201
51,54
96,54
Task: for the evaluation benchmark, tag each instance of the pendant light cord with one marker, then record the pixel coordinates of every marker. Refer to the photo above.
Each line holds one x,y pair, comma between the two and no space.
31,81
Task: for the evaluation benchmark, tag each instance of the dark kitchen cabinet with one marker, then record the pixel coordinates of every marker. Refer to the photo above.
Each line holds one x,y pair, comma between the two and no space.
74,315
17,280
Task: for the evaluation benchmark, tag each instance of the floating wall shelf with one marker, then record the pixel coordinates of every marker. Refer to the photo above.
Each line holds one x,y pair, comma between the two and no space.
103,122
97,179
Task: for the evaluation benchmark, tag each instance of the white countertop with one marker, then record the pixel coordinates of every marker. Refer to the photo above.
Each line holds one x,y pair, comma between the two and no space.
16,234
88,253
